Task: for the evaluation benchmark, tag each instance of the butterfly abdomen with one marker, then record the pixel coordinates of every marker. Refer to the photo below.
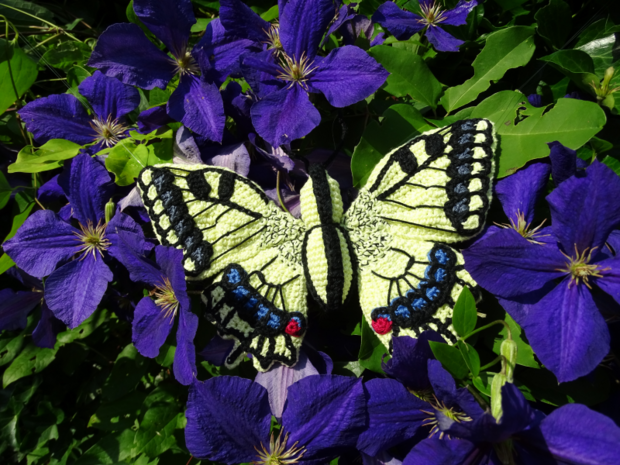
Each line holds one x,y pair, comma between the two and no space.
326,251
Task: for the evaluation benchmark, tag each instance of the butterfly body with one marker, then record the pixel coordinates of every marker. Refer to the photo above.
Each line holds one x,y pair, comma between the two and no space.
392,242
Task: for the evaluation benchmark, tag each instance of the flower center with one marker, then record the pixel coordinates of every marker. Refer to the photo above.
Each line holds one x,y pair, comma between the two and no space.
296,71
166,299
580,268
186,64
442,409
432,14
277,454
273,38
109,132
523,228
505,452
93,239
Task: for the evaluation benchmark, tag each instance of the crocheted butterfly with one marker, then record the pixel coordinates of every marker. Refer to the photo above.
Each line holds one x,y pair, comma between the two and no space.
432,191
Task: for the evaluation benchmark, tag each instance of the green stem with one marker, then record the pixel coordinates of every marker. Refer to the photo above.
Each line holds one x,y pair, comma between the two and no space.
278,191
478,397
49,39
42,20
490,364
496,322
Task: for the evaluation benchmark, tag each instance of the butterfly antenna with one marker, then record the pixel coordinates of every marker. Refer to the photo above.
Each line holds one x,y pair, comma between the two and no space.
344,130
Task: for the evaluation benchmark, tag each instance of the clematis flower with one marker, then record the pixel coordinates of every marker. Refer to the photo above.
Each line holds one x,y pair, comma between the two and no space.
64,117
155,314
74,289
422,395
403,24
351,25
228,420
570,434
124,52
546,286
345,76
535,100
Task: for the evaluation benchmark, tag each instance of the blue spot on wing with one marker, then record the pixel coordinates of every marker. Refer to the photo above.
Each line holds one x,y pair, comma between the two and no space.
440,274
274,321
432,292
262,311
403,311
233,276
417,304
240,292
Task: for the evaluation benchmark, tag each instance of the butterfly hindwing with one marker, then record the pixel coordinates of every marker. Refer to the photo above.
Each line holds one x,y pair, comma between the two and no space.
432,191
225,222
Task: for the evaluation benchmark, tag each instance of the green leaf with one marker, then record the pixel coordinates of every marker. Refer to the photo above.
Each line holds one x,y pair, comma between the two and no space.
201,24
409,74
508,5
126,159
371,350
465,314
76,75
554,22
6,263
271,14
471,357
5,190
613,164
10,346
48,157
601,42
66,55
24,203
109,450
450,358
525,354
119,414
31,360
129,367
505,49
29,7
575,64
23,70
400,123
571,122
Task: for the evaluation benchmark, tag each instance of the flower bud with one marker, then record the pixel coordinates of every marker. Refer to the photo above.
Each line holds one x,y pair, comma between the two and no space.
496,395
509,351
110,208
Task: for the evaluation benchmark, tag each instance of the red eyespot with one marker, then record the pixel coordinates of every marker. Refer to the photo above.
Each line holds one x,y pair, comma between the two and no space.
293,328
382,325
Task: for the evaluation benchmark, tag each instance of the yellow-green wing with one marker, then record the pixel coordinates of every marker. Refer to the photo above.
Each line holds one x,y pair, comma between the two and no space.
227,226
432,191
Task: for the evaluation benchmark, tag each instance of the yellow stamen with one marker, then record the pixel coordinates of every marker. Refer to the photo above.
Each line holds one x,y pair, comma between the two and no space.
166,298
432,14
523,228
185,64
109,131
273,38
93,239
579,267
442,408
277,454
296,71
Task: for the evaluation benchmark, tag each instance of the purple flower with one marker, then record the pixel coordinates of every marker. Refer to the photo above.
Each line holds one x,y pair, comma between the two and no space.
228,420
74,289
545,283
155,315
350,25
403,24
564,162
571,434
535,100
423,394
124,52
345,76
64,117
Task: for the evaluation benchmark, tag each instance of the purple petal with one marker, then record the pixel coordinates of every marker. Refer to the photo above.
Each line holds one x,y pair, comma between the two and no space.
435,451
260,71
124,52
171,262
153,119
443,384
567,332
150,327
401,24
359,25
378,40
15,307
409,360
278,379
442,41
133,236
226,418
302,25
109,97
25,279
344,14
563,162
274,155
263,62
325,413
291,200
198,105
90,188
239,20
347,75
186,150
382,458
520,192
507,265
535,100
169,20
458,15
140,268
234,157
185,356
593,438
584,210
41,243
74,290
216,351
395,415
58,117
610,280
44,335
50,191
218,52
284,116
